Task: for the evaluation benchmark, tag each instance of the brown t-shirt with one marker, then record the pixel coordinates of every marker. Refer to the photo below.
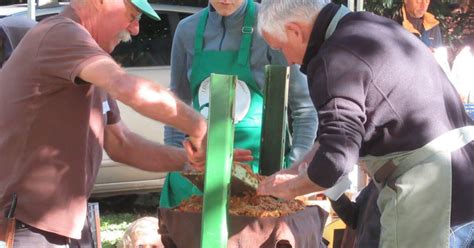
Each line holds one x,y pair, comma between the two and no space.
52,126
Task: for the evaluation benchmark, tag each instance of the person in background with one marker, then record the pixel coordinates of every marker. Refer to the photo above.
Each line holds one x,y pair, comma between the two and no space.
221,39
362,215
371,91
415,18
465,5
12,29
142,233
58,112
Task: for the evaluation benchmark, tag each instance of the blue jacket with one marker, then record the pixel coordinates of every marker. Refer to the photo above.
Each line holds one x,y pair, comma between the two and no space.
430,33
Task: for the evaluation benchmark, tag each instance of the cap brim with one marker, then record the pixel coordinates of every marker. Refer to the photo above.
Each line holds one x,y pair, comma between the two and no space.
146,8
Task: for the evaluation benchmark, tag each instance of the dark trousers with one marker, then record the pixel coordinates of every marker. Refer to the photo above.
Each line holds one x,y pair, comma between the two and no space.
27,236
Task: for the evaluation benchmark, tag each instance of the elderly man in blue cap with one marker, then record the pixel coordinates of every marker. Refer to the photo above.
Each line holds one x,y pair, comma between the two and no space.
58,112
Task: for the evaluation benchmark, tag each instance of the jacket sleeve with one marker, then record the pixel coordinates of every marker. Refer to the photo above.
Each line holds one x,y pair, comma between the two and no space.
337,86
303,114
179,84
438,39
346,210
350,211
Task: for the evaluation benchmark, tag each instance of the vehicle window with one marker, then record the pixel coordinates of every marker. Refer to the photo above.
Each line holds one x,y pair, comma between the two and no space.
40,18
151,47
183,15
2,48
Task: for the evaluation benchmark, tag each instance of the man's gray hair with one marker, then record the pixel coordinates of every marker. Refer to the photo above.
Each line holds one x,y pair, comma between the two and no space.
274,14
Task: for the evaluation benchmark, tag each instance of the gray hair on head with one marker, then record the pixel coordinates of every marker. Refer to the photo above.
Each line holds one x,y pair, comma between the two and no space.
274,14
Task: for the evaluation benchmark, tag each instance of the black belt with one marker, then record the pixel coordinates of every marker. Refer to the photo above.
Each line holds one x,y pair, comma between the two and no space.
58,239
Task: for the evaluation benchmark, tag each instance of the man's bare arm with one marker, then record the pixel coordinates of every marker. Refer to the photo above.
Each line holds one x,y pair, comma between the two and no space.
146,97
125,146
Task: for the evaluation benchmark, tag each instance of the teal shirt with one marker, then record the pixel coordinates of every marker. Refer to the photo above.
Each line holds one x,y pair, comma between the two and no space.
224,33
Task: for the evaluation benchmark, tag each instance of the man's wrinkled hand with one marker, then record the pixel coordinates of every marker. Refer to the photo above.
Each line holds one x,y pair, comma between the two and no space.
288,183
278,184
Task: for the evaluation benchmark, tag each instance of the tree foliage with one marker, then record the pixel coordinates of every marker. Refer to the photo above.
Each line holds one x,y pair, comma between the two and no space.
452,23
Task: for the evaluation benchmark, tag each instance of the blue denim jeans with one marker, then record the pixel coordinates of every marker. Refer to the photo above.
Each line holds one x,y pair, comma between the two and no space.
462,236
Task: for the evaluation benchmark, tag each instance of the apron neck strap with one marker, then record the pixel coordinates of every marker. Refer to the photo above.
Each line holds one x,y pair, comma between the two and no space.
343,10
199,39
247,33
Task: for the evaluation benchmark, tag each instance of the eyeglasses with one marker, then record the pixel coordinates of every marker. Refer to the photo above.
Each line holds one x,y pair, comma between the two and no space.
135,14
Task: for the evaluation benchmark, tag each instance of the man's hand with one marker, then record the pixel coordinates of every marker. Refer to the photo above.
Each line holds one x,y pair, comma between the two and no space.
241,155
197,153
289,183
195,148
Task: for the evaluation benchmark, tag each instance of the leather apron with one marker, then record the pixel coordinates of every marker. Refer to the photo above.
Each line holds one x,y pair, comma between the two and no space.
249,99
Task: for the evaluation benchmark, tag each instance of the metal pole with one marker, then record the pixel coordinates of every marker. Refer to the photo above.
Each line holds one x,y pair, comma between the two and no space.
32,9
351,4
275,104
47,3
360,5
220,145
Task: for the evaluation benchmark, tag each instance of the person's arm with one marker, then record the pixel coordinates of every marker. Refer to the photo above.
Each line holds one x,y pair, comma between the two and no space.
179,83
339,95
125,146
149,99
347,210
303,113
292,182
144,96
287,185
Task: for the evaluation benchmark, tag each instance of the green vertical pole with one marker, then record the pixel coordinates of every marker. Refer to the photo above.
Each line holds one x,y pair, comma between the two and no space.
272,145
220,145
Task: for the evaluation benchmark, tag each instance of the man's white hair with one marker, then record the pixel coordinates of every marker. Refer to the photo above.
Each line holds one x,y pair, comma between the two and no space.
274,14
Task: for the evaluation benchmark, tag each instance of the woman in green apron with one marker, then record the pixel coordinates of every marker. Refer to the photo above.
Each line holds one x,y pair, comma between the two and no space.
218,26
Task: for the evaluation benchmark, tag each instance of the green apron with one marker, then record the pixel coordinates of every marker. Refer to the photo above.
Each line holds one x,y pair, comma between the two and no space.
248,127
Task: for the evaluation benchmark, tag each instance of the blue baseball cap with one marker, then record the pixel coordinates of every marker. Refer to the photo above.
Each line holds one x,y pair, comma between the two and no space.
146,8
